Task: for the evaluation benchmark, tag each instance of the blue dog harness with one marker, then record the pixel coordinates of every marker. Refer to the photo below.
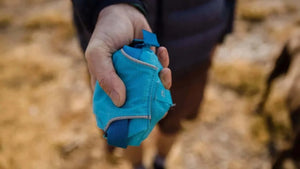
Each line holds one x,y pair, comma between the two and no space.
147,100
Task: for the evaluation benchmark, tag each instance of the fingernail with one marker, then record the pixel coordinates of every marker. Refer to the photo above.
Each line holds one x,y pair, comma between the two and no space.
115,97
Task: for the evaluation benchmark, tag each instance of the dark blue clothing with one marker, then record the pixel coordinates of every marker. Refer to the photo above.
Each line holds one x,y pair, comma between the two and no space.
190,29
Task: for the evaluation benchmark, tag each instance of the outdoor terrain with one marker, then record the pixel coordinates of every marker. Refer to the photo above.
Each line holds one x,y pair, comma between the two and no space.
46,121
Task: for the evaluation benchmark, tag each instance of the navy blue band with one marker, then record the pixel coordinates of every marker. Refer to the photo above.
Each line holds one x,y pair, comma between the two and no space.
117,133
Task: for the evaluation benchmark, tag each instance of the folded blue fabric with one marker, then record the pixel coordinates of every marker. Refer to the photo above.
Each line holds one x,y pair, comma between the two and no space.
147,100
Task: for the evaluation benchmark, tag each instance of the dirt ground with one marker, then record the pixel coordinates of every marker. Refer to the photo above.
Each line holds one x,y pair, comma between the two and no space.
46,120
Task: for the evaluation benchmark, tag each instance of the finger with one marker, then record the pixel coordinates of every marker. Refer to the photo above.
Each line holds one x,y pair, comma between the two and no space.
163,56
101,67
166,77
139,33
93,82
153,48
113,87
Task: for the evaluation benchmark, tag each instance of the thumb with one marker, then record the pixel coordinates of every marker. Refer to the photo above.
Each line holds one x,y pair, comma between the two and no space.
101,67
113,86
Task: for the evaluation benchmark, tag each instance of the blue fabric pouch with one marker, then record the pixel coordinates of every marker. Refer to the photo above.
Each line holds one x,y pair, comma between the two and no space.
147,100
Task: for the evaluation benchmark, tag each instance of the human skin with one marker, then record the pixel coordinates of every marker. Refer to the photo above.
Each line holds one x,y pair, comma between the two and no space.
118,25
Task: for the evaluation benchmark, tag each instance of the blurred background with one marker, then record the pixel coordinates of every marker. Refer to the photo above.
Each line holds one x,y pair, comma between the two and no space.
46,120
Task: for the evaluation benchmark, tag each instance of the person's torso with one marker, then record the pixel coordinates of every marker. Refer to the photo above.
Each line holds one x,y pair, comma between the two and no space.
190,29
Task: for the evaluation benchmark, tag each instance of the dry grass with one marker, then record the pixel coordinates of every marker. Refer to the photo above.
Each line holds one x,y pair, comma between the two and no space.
46,117
256,11
277,109
25,75
259,130
5,20
248,81
244,78
253,14
46,21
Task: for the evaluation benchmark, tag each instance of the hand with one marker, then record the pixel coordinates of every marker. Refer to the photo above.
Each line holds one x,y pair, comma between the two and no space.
117,26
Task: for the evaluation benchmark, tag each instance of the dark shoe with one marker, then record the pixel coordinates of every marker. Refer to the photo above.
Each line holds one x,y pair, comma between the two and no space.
159,162
139,167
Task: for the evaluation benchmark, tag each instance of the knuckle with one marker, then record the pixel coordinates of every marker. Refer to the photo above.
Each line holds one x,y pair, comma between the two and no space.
98,48
89,53
102,82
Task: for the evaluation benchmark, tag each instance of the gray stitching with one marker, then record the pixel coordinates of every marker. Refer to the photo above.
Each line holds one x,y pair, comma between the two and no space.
138,61
153,84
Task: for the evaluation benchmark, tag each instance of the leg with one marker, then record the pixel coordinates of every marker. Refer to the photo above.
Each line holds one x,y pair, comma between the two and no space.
164,143
135,156
187,94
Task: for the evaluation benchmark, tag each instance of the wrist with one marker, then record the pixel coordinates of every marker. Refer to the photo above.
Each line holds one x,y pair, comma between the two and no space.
140,7
121,10
125,11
